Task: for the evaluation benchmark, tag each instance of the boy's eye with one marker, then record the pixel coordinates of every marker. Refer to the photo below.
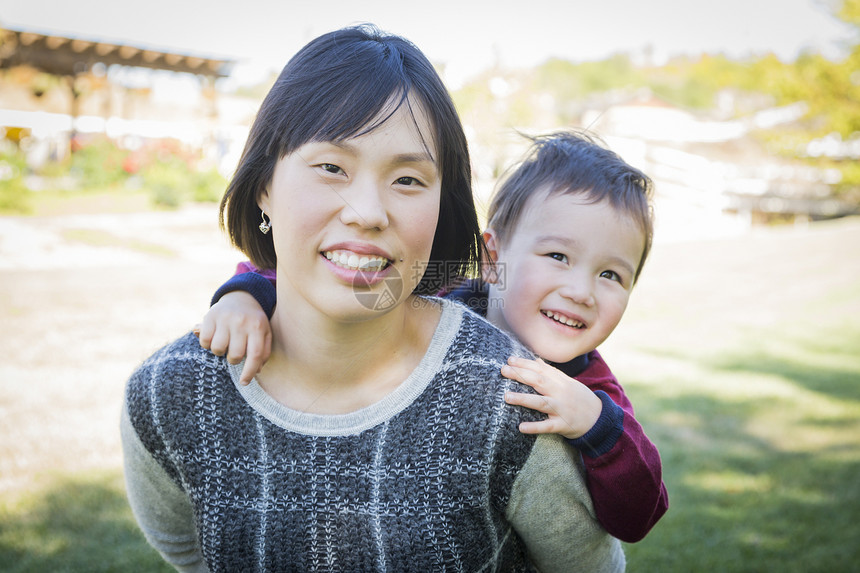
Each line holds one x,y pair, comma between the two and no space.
558,256
612,275
331,168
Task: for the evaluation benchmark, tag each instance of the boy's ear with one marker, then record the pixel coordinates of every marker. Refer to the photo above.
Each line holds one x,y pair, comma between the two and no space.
489,272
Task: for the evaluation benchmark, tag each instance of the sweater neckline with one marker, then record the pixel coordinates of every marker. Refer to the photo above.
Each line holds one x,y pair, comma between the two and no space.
379,412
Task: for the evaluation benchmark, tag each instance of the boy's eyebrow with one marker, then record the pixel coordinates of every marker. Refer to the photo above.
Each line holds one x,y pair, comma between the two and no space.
557,239
622,262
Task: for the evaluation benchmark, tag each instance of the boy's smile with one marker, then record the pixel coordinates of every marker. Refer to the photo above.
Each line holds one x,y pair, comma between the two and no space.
565,274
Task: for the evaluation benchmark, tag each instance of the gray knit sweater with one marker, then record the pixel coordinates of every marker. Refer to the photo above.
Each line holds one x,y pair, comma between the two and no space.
434,477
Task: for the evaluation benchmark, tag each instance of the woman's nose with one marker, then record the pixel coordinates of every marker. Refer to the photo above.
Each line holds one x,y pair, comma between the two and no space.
364,206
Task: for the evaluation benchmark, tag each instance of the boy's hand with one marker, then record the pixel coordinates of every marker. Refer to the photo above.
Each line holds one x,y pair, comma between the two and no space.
571,407
236,325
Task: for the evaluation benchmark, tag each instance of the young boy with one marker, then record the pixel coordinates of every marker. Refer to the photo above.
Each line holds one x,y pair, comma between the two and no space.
568,233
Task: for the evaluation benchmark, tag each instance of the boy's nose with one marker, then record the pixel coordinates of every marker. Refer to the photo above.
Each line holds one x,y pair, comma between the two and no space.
580,290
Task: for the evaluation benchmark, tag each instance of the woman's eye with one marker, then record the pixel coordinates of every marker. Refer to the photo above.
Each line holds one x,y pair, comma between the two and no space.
558,256
408,181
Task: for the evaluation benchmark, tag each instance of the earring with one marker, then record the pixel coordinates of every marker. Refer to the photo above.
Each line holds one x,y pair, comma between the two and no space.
266,224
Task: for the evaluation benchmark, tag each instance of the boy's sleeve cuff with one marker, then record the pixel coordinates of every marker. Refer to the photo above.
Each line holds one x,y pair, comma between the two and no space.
256,285
605,433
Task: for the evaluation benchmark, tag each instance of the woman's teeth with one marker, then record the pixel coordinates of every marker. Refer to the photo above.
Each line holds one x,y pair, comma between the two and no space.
354,262
562,319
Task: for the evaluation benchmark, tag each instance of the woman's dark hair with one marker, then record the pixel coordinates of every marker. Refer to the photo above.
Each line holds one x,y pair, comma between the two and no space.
574,163
341,85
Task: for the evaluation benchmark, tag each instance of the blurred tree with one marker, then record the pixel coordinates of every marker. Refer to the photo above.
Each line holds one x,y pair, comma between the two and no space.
575,81
555,94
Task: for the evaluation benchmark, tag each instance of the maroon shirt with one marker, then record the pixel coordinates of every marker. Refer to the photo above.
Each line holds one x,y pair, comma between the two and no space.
625,482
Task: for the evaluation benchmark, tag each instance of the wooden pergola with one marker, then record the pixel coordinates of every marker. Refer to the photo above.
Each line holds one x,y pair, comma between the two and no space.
64,56
73,58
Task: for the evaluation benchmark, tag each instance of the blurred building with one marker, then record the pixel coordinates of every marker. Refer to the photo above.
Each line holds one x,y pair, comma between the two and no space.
57,90
713,176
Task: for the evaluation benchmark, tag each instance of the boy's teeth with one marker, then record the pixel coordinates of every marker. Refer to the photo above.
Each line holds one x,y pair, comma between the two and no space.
356,263
563,319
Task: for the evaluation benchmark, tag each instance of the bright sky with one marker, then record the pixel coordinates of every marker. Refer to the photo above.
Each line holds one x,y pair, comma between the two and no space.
466,36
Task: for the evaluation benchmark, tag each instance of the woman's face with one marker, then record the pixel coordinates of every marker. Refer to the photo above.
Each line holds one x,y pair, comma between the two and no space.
353,221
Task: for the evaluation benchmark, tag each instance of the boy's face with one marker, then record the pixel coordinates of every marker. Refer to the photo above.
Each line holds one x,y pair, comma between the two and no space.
564,275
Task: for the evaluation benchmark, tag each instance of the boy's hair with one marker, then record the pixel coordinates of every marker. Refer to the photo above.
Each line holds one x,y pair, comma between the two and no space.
574,163
341,85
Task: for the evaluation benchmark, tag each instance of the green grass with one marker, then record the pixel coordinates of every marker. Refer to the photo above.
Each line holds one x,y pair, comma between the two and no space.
741,356
71,523
761,455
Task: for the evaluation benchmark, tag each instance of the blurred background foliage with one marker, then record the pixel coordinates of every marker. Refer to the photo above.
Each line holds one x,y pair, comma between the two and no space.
162,170
553,94
548,96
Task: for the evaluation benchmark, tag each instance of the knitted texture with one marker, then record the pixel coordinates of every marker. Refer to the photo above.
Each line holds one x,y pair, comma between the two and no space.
424,490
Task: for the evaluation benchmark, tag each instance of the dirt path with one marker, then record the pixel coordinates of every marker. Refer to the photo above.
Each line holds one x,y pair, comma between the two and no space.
82,301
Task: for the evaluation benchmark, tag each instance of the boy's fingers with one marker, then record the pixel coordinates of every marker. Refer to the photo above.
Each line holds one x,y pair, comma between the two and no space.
544,427
543,367
538,366
259,347
524,375
237,349
516,372
248,372
520,362
258,351
219,343
530,401
204,334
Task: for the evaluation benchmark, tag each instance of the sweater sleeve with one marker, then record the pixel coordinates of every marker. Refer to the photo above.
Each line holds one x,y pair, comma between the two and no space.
625,476
551,510
257,283
161,507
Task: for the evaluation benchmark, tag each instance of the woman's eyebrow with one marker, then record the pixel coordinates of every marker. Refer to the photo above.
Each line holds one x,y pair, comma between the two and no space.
414,158
409,157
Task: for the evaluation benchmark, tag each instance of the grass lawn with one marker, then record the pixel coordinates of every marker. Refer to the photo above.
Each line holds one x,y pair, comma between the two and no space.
741,356
743,359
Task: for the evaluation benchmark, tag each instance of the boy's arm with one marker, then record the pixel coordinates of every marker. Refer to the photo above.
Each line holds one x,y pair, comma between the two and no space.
237,324
625,478
257,283
623,465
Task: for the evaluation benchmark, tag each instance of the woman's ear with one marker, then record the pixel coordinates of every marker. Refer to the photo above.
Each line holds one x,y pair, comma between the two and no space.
263,200
490,271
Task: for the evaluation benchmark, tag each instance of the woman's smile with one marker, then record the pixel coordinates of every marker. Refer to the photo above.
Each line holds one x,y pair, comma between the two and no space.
347,215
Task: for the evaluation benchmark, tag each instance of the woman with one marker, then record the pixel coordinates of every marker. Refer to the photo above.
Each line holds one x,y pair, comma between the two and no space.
376,437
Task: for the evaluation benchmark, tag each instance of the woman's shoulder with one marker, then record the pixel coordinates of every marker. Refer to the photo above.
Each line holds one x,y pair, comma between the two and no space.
184,352
477,335
479,349
172,372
